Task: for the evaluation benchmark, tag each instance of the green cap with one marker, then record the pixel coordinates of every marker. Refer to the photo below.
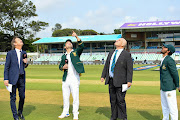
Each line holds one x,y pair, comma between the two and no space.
171,48
69,41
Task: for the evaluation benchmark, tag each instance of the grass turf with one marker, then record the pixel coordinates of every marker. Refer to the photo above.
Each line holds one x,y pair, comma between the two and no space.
41,111
50,112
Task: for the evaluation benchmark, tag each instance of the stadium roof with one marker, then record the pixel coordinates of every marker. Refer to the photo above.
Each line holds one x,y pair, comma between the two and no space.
155,24
51,40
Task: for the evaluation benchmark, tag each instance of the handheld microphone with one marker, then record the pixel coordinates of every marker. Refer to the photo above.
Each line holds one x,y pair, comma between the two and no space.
66,61
24,56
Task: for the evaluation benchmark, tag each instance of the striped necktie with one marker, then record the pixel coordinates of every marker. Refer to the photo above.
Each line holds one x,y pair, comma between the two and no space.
113,62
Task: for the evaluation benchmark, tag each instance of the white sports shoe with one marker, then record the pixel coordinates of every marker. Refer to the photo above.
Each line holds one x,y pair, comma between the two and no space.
63,116
75,117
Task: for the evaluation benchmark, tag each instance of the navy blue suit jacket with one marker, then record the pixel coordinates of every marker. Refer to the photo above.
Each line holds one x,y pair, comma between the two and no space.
11,70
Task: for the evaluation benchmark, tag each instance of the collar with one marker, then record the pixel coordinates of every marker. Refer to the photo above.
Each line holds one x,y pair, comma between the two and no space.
70,52
119,50
164,57
17,50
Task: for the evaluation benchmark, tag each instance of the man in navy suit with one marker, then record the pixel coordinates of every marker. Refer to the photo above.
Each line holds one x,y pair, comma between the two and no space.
14,73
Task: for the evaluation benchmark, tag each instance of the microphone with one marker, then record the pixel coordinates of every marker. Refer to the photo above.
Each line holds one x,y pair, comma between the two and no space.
24,56
66,61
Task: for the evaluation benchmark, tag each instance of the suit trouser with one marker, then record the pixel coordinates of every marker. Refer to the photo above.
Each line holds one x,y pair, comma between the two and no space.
67,88
21,88
117,100
169,105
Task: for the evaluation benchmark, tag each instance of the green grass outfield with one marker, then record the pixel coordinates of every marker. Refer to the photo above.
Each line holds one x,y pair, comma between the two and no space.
44,95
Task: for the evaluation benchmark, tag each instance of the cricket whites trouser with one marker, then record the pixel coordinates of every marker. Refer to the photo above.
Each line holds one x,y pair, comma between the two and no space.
169,105
71,86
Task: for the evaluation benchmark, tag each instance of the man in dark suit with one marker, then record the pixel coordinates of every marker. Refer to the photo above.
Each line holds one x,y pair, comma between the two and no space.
14,73
118,70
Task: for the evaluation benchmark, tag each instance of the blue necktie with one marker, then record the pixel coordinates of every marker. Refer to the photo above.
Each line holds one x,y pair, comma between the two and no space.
21,70
113,62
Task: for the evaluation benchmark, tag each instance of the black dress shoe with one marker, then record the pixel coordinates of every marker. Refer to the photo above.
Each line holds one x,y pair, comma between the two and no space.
21,116
125,119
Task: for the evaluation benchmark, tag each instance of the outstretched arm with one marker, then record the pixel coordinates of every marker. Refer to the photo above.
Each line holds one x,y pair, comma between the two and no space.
80,44
75,35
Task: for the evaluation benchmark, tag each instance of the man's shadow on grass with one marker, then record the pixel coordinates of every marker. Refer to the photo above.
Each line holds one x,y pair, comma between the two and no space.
28,109
105,111
148,116
71,108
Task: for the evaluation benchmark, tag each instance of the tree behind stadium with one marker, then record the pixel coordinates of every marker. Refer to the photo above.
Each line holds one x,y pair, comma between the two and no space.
16,18
68,32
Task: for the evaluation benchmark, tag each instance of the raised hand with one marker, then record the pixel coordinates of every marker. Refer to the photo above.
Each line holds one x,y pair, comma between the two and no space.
74,34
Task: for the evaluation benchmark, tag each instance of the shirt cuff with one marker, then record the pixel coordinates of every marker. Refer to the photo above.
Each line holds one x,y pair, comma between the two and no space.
80,42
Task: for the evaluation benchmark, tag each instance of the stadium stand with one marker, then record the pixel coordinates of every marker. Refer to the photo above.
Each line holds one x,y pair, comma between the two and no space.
135,47
151,47
144,42
139,56
97,58
84,57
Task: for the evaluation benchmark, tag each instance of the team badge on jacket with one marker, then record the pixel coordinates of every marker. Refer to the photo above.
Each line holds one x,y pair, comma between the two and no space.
74,53
164,67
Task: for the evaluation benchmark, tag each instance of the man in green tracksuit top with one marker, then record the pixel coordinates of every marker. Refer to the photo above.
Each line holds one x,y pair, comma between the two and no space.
72,67
169,81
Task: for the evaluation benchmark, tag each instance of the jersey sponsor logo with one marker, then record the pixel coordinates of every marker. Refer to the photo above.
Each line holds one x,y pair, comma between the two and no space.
132,24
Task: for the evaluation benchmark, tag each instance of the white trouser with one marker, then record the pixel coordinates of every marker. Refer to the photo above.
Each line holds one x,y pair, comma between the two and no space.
169,105
71,85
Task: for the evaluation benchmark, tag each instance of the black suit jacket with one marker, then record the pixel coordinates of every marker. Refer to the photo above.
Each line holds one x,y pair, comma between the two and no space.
123,70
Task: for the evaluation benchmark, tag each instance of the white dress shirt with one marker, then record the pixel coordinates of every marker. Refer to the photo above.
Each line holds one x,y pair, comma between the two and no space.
18,55
111,60
71,70
162,60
